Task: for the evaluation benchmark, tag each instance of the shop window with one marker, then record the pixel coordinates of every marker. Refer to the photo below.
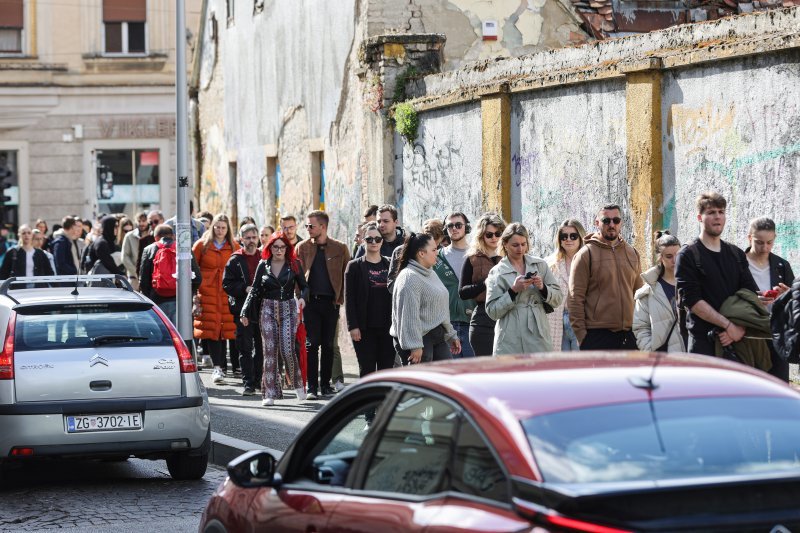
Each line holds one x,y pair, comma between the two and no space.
9,174
125,26
128,180
11,26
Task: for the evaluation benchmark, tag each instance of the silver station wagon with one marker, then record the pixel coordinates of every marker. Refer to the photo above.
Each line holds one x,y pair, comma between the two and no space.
91,369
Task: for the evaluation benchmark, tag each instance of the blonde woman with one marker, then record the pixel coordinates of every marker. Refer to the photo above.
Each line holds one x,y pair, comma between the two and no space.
214,326
568,240
482,256
655,315
516,290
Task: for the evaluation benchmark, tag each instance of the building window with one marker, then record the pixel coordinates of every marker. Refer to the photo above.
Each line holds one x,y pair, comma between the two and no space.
11,25
9,174
318,179
125,26
230,7
128,180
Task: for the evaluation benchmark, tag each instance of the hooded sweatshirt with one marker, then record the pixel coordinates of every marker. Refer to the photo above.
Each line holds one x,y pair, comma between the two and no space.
602,282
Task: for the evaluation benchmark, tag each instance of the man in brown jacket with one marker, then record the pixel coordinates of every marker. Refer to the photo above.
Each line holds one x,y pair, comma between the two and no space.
324,261
604,276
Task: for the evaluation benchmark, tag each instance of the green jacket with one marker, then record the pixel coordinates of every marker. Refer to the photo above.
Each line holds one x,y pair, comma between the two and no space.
745,309
460,310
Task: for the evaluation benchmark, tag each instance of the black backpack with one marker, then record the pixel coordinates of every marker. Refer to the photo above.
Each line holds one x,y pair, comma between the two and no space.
785,324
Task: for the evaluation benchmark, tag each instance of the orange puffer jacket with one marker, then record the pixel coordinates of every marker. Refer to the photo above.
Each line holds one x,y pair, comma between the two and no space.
215,321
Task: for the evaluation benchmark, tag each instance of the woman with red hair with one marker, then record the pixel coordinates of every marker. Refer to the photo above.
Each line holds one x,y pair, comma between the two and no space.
271,302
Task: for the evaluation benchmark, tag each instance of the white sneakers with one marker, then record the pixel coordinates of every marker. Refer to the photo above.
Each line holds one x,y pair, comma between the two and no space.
301,394
267,402
338,386
217,376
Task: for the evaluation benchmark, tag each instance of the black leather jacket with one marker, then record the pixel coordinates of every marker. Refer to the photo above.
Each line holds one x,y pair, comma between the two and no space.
266,286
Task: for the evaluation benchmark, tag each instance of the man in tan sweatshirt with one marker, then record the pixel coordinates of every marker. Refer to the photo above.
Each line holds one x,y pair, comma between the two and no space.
604,276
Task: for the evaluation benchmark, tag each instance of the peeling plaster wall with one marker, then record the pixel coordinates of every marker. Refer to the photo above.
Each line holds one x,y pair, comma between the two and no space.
523,26
268,87
441,171
568,157
734,127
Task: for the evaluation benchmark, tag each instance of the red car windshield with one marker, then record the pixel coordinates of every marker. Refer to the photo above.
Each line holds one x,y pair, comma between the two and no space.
668,439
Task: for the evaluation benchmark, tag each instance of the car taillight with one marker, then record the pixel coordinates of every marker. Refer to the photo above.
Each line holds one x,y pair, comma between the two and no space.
580,525
185,359
7,355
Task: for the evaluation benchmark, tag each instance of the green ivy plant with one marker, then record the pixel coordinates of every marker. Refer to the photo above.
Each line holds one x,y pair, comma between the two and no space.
406,121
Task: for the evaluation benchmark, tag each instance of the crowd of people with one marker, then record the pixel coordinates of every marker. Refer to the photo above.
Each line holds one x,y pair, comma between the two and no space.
270,302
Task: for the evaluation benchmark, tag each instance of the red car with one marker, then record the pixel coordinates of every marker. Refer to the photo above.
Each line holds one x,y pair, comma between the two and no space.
589,442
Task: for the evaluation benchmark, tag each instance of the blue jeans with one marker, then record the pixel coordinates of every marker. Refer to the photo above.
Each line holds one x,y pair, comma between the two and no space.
170,308
569,342
462,328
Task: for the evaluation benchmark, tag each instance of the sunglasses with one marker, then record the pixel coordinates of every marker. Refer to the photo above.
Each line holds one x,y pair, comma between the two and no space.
570,236
311,226
370,240
492,234
457,225
607,220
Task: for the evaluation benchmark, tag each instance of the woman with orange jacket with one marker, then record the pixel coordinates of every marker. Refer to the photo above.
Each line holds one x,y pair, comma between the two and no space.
215,324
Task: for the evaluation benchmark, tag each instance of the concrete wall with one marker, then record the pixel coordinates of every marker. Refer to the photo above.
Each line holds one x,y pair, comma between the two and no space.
440,171
568,157
267,89
734,127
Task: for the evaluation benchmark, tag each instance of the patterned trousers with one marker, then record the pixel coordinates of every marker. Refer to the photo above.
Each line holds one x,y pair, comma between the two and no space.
278,329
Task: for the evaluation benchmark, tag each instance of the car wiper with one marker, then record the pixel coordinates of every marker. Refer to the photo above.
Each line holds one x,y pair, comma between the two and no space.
110,339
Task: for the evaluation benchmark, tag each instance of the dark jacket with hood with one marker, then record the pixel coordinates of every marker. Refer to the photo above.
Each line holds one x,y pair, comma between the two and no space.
602,281
102,248
14,263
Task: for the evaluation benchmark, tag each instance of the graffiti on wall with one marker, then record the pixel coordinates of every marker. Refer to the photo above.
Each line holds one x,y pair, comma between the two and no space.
441,170
214,177
343,192
747,149
570,160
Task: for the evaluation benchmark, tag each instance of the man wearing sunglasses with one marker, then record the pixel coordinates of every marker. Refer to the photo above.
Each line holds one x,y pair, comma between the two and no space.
392,235
603,278
448,267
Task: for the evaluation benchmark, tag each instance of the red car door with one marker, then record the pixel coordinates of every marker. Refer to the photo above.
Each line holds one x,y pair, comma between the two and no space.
291,510
460,515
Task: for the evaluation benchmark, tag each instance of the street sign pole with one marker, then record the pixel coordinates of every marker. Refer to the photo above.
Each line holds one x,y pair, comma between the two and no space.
183,229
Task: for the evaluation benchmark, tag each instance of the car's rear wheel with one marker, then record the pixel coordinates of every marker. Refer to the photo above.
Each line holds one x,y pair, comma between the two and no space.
215,526
185,466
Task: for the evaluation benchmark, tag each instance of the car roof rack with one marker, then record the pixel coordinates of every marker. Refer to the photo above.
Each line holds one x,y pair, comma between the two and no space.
108,281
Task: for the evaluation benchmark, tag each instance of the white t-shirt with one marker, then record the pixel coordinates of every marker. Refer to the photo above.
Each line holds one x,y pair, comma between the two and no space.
761,276
29,263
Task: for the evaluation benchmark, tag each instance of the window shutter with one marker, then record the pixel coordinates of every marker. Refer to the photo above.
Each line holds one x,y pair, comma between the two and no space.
124,10
11,14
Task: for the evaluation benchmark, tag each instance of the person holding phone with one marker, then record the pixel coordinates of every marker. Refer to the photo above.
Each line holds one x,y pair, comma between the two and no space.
520,291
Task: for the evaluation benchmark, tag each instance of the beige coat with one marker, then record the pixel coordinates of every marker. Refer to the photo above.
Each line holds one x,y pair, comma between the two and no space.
556,318
522,325
653,316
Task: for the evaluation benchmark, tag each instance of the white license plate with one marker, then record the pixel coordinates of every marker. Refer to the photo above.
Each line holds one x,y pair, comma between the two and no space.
110,422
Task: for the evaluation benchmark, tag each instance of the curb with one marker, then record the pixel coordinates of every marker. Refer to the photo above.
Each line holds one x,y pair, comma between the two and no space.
225,449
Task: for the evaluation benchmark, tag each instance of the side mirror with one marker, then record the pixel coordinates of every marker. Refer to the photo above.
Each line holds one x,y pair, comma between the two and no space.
254,469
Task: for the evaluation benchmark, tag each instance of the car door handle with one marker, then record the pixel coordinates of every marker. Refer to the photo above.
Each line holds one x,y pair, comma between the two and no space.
100,385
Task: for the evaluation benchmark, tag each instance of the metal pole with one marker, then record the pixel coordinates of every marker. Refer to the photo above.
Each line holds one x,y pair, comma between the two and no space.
183,230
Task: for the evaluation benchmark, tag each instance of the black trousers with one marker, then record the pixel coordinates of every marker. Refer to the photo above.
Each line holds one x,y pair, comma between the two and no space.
701,344
605,339
320,316
233,351
251,358
216,349
374,351
434,347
